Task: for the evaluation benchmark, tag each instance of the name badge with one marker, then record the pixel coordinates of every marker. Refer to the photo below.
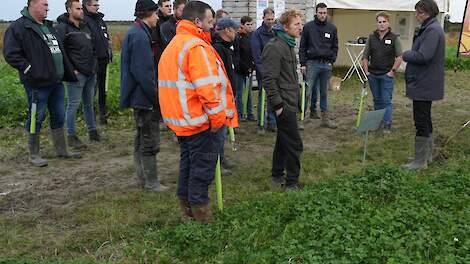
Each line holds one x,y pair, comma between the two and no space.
327,35
388,41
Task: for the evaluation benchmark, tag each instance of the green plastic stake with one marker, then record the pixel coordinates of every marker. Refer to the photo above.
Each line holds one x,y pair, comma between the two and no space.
218,186
246,90
231,133
361,105
263,99
302,114
107,78
32,126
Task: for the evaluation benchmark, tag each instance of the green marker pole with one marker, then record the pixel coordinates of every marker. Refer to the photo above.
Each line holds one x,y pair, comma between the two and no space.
245,96
231,133
361,104
263,99
302,114
34,108
218,186
107,77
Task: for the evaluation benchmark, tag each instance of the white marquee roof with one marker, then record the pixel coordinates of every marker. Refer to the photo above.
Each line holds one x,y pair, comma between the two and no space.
389,5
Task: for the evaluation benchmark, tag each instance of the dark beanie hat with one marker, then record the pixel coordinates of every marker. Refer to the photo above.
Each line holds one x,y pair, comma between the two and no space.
145,5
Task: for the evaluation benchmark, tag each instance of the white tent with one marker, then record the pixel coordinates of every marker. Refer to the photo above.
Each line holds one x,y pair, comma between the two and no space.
356,18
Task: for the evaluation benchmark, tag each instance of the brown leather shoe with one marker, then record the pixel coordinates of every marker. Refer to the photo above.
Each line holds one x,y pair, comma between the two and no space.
202,213
185,210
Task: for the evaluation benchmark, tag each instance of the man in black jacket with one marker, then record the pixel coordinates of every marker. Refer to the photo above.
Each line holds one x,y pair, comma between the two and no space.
280,80
31,46
244,66
98,27
78,43
223,44
168,28
164,14
317,53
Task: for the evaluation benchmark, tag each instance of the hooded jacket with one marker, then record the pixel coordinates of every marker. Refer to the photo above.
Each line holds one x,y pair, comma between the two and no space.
24,49
259,39
242,55
280,78
100,35
194,91
225,51
138,69
78,44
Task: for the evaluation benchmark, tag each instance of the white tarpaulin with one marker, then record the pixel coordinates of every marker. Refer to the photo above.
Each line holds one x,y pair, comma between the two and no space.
389,5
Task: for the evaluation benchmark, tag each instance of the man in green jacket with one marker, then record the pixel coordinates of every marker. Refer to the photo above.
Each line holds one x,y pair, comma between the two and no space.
280,80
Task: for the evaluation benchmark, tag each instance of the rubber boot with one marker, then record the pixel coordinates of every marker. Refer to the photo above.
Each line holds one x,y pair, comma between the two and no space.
326,122
58,138
314,115
202,213
33,146
149,168
430,148
75,142
93,135
185,210
421,154
103,116
139,170
301,125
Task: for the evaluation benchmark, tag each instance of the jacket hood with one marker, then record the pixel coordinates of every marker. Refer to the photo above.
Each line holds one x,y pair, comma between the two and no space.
93,15
25,13
64,18
188,27
218,39
278,27
264,29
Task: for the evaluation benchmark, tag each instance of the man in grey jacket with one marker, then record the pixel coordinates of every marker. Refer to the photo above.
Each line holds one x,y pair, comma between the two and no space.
280,80
424,78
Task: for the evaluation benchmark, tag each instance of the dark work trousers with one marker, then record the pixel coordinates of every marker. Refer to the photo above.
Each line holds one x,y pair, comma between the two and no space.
289,146
422,118
147,137
198,158
101,85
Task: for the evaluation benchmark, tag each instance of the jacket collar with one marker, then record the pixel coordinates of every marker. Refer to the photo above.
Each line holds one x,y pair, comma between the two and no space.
25,13
64,18
318,22
98,15
187,27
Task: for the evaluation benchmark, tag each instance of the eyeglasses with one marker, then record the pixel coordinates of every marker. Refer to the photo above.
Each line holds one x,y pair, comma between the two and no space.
382,22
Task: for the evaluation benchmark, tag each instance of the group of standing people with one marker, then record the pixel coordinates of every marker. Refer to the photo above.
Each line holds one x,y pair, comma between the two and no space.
188,67
76,51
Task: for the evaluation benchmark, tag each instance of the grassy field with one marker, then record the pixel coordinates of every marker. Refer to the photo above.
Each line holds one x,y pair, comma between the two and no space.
90,210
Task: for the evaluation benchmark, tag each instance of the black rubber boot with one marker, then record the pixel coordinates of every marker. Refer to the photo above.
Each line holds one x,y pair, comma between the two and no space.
58,138
149,167
421,154
33,146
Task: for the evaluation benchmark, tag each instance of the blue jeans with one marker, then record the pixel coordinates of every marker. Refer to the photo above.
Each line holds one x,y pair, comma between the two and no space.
83,90
240,82
198,158
270,117
52,97
321,73
381,87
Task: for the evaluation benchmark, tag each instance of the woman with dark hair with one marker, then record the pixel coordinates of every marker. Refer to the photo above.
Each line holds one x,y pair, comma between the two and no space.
425,78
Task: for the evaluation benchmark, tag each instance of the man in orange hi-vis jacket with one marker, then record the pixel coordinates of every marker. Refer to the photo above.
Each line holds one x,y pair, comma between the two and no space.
196,101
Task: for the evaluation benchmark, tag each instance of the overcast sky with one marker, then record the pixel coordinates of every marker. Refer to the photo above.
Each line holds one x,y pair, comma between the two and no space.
123,9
